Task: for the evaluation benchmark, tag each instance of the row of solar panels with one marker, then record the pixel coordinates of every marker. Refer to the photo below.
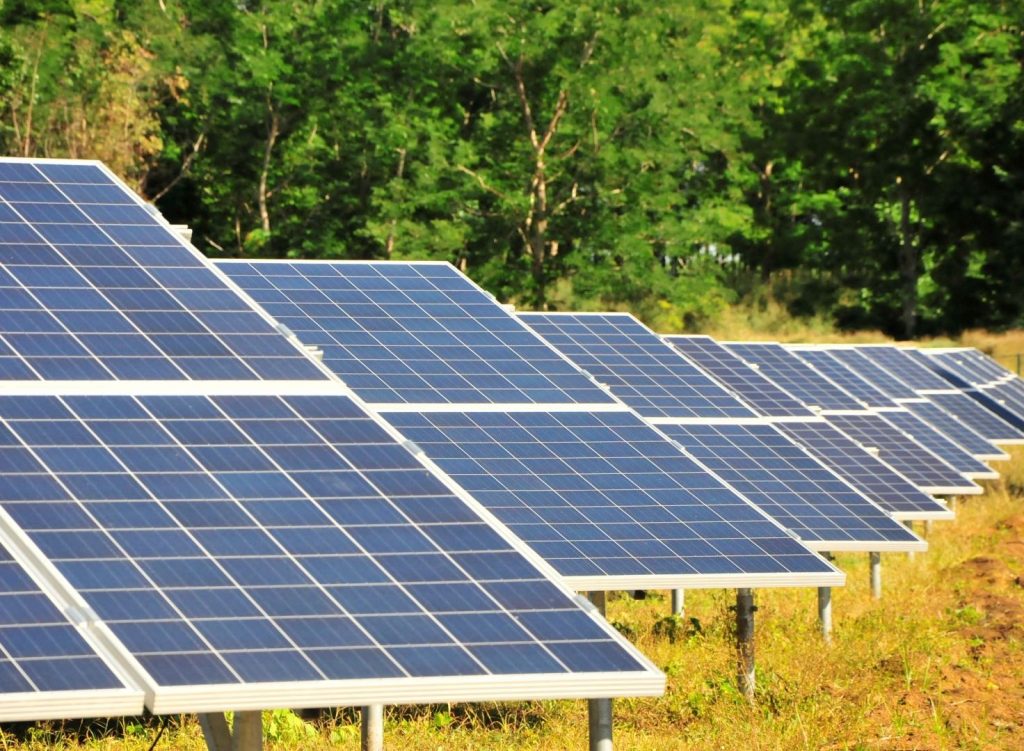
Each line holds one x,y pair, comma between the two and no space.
197,515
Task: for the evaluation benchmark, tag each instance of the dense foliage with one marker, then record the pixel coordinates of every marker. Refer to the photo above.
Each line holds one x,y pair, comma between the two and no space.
663,157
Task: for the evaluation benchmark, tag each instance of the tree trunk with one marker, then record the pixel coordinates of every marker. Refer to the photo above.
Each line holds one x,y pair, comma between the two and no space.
273,131
909,266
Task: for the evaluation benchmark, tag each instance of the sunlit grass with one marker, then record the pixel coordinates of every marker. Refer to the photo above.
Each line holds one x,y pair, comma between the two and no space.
934,665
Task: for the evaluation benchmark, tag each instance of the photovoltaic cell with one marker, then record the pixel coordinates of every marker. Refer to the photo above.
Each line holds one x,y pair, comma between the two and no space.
893,492
919,465
872,372
94,286
789,484
957,370
897,362
939,444
413,333
603,494
793,375
838,373
265,539
956,429
641,369
767,398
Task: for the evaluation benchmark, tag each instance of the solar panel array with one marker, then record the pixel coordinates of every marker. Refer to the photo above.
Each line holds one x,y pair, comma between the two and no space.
413,333
236,538
794,376
982,420
94,287
904,367
915,462
940,444
870,370
794,487
958,430
585,465
848,380
635,363
754,388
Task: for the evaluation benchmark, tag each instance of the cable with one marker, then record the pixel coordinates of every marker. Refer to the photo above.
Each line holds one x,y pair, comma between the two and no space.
160,732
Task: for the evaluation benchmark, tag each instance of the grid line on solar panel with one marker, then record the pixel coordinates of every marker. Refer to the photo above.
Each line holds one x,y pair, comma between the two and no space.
47,667
413,333
753,387
942,446
868,369
837,372
880,482
94,286
794,376
791,486
254,539
912,460
968,411
960,431
639,368
604,495
903,367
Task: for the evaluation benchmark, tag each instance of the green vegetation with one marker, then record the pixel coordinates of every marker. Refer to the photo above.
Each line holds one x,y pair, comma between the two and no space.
860,162
935,664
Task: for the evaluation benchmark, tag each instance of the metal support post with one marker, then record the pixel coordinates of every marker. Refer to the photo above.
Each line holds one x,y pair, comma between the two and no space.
951,504
745,642
600,716
247,733
928,528
372,728
909,525
825,612
216,732
876,575
679,602
600,600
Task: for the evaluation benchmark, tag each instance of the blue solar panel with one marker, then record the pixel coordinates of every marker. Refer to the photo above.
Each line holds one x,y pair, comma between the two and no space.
897,362
941,445
413,333
869,370
40,650
954,367
958,430
789,484
641,369
753,387
264,539
915,462
838,373
968,411
94,286
603,494
880,482
793,375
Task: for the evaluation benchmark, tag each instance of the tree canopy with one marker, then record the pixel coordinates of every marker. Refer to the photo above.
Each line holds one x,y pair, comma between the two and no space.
657,157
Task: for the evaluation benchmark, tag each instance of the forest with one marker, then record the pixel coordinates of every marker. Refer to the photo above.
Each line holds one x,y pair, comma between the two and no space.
861,160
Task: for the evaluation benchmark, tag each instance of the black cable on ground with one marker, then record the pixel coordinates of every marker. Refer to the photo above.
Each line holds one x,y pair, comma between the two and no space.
160,732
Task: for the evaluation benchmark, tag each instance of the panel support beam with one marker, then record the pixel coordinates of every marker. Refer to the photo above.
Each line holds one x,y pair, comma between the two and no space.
599,711
246,735
371,735
679,602
876,575
745,642
825,608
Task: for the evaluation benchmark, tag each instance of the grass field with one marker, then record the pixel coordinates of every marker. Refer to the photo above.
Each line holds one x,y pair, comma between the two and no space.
936,664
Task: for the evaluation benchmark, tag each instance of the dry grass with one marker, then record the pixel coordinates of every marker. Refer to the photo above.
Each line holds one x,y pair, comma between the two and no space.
936,664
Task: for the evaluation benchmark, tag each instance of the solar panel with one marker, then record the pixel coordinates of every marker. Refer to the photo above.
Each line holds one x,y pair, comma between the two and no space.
602,495
956,429
792,486
793,375
838,373
991,365
641,369
880,482
942,446
95,286
919,465
753,387
954,368
235,544
903,367
47,667
984,421
869,370
413,333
